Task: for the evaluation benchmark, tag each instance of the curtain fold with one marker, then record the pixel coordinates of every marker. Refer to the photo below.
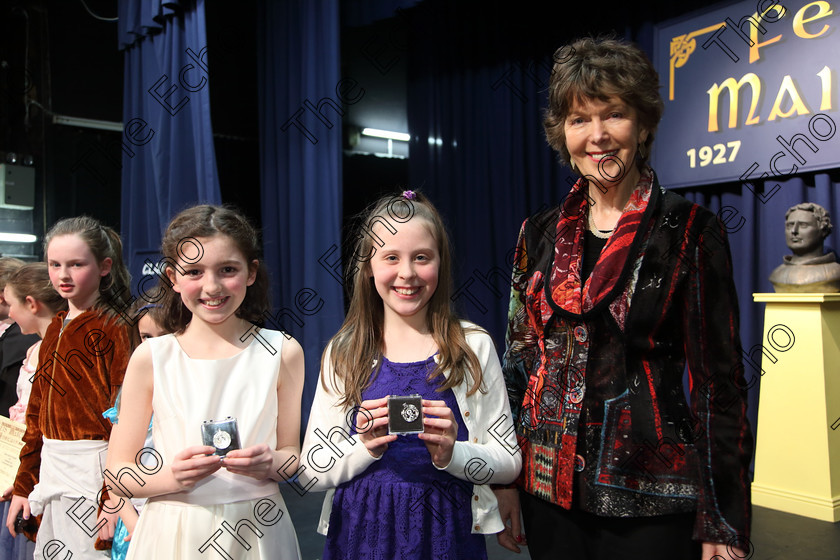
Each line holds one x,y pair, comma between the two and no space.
300,90
168,158
475,106
141,18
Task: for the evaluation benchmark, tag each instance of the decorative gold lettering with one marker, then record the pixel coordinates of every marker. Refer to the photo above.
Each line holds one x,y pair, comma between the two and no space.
797,105
825,78
778,13
799,20
734,87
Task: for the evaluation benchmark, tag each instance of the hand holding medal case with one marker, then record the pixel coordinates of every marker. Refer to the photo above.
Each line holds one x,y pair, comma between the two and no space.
405,414
222,434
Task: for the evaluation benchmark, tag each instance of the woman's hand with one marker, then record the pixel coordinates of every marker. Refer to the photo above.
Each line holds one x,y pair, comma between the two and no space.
256,461
194,464
441,431
715,551
508,538
372,426
18,503
7,495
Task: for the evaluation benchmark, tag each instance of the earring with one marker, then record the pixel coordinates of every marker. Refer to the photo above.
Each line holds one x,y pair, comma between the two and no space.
641,150
572,164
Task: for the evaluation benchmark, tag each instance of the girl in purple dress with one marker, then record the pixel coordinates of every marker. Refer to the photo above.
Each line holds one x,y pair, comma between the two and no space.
421,495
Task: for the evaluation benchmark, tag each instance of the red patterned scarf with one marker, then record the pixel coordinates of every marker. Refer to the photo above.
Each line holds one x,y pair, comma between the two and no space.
564,283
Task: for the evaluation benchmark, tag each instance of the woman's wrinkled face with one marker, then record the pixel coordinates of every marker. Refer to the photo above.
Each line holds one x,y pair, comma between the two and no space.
602,138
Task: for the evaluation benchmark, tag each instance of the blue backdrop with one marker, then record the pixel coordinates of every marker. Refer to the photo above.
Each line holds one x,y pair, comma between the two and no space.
300,92
168,159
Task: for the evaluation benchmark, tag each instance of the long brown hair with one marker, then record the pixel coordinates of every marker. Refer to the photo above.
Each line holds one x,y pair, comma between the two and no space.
33,280
207,220
359,342
104,243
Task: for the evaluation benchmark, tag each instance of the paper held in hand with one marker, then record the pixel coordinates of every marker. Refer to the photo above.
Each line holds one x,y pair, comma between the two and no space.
11,442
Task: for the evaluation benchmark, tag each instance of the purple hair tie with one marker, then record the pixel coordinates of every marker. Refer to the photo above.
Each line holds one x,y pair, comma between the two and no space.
409,195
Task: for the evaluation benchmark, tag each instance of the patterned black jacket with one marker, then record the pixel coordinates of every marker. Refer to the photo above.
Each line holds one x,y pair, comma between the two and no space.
598,396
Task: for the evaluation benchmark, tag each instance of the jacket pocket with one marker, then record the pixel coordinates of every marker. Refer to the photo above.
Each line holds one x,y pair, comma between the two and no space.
659,466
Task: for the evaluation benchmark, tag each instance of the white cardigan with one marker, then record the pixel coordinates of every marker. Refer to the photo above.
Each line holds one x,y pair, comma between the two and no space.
331,456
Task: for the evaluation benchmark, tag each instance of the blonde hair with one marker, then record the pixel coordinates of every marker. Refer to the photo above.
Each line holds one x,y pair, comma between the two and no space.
358,343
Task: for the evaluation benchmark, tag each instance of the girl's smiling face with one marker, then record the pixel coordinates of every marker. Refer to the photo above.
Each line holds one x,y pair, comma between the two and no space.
405,269
74,272
214,286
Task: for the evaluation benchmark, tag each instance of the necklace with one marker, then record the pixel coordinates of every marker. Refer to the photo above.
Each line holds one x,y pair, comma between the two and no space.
599,233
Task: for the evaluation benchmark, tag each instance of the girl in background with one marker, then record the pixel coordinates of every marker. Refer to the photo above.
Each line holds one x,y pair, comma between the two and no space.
13,344
212,369
414,496
82,361
150,325
32,304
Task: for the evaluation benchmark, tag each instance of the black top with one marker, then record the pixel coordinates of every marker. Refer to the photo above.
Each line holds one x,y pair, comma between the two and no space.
13,347
592,247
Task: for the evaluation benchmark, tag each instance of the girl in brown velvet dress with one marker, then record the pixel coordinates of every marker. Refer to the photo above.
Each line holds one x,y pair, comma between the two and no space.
82,362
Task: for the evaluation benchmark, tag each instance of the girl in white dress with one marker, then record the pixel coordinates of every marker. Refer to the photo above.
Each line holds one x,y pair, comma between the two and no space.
216,365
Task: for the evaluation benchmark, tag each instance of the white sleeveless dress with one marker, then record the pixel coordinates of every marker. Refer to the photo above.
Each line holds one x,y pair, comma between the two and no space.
225,515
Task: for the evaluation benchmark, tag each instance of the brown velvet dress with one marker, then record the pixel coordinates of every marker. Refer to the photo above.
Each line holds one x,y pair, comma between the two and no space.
80,370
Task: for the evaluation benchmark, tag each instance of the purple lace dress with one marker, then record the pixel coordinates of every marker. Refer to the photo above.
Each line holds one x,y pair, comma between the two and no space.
402,507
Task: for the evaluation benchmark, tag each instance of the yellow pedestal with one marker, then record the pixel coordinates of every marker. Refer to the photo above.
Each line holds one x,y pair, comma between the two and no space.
797,459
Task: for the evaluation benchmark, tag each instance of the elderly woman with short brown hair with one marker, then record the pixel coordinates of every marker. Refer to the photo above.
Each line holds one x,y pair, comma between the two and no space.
614,293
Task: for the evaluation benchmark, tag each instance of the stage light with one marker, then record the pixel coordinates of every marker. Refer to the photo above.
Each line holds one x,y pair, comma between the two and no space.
387,134
17,238
88,123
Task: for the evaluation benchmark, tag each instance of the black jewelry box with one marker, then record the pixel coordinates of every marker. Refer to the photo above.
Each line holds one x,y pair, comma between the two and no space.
405,414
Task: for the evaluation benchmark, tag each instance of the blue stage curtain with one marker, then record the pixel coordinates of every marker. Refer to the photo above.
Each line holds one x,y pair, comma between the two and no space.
168,160
478,150
363,12
300,110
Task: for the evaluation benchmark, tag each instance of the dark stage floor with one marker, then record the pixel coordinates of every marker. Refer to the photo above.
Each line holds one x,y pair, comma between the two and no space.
776,535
